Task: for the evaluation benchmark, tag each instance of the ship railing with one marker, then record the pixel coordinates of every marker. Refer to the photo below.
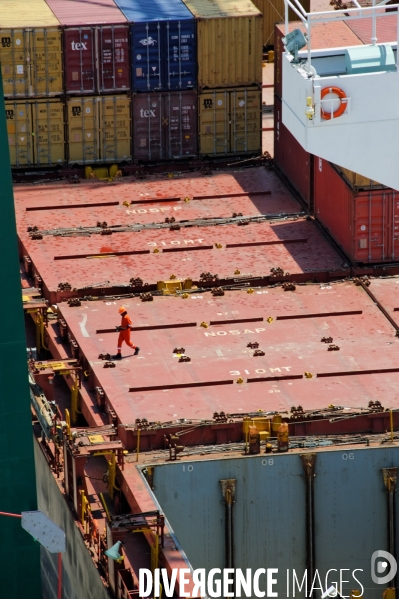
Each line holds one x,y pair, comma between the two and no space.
348,14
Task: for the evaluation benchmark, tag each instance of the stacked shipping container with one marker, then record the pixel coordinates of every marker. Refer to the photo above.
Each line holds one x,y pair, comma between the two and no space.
96,61
229,76
81,81
31,65
164,78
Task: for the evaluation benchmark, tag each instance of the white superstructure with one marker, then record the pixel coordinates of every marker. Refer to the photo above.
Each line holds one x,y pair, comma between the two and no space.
342,104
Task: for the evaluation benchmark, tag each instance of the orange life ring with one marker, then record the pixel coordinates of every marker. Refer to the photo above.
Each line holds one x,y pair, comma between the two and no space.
341,108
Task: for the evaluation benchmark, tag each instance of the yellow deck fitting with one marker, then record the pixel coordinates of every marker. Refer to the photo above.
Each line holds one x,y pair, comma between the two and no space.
95,438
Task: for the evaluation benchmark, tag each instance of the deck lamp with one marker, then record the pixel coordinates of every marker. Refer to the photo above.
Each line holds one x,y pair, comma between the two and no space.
113,552
293,42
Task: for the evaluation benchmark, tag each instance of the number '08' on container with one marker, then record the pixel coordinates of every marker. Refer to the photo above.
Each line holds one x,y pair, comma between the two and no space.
163,45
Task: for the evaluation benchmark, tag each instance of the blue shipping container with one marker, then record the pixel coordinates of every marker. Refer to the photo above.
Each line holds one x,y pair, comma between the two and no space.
164,45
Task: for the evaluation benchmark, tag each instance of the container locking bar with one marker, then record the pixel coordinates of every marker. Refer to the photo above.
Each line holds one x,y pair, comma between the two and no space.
309,463
390,477
229,494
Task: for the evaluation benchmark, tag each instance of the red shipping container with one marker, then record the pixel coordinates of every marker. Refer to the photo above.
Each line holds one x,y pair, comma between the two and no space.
291,159
165,125
364,223
96,46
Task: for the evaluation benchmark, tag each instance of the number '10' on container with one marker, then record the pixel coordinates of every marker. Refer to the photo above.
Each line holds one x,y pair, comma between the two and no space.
163,45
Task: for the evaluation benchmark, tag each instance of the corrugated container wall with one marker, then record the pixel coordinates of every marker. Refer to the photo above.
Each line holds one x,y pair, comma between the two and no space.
96,46
99,129
165,125
291,159
163,45
30,49
364,224
36,132
230,122
273,12
229,43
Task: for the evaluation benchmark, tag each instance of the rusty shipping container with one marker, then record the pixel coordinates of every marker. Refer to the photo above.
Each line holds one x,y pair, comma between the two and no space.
99,129
164,126
96,46
230,121
229,43
163,45
291,159
30,49
364,223
36,132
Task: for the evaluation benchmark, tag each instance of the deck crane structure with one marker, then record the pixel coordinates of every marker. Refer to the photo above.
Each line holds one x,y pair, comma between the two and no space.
342,104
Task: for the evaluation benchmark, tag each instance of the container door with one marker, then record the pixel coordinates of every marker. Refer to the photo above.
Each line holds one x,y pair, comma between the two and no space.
147,57
19,128
115,129
147,127
246,115
83,131
80,65
181,55
179,124
214,123
46,62
14,54
370,222
48,129
113,63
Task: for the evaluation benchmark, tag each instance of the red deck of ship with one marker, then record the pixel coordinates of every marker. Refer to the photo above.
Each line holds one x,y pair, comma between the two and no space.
297,368
156,386
90,261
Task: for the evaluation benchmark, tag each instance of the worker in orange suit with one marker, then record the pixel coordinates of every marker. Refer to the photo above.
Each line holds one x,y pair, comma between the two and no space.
124,333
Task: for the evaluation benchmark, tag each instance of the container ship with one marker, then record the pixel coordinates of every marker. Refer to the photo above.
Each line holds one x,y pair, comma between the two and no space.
211,329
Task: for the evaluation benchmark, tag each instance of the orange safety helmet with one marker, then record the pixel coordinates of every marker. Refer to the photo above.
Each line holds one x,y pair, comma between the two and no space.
122,309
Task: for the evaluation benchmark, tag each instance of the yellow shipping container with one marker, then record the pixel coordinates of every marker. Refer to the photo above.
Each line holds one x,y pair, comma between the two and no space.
30,49
230,121
229,42
273,11
99,129
36,132
357,180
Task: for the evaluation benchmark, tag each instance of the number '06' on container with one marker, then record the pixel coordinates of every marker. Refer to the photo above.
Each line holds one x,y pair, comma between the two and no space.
163,45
